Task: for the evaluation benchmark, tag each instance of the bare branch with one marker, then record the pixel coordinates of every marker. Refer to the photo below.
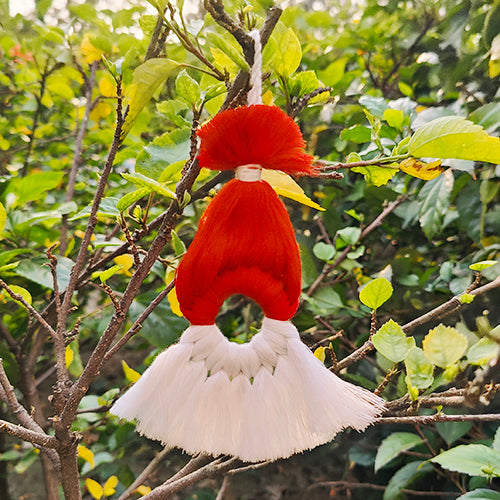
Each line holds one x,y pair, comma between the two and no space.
214,468
27,306
36,438
135,328
438,417
328,268
451,305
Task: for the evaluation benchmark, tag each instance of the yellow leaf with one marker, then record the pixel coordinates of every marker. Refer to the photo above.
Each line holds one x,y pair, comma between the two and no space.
421,170
320,354
130,374
143,490
172,295
3,219
174,302
90,52
86,454
267,98
284,185
95,489
101,110
126,261
107,88
110,485
68,355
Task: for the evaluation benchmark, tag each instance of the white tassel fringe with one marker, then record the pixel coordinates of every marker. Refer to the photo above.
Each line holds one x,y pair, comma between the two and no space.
264,400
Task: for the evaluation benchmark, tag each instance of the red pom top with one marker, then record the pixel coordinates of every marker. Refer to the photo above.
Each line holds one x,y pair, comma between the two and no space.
245,244
257,134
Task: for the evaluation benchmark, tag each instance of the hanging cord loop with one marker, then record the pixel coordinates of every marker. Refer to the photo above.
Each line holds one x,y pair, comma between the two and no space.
255,94
252,172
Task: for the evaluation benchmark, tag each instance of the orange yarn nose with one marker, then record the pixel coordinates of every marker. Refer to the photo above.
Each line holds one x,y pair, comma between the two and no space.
245,244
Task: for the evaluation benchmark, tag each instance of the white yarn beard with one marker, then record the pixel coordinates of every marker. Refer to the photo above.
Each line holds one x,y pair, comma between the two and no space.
264,400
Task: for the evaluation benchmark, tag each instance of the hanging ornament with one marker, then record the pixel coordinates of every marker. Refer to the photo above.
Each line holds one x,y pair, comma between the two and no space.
271,397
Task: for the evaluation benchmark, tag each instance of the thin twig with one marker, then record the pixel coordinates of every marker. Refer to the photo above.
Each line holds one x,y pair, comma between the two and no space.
135,328
348,485
144,475
452,304
77,156
214,468
328,268
439,417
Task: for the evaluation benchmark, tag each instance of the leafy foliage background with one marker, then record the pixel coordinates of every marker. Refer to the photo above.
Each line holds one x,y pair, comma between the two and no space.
389,67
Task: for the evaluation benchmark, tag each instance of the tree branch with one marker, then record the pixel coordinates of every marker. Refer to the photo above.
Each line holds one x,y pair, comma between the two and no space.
451,305
328,268
77,157
144,475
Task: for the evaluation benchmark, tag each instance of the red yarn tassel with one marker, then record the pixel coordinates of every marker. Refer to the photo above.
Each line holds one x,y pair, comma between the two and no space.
245,244
259,134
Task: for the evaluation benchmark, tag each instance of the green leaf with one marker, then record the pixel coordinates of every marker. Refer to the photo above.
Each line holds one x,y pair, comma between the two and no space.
454,137
357,133
36,270
107,208
452,431
20,291
484,264
130,198
323,251
482,352
487,116
496,440
146,80
162,327
158,158
288,57
393,445
435,201
375,293
480,494
444,346
347,236
334,72
187,88
391,341
34,186
326,301
107,273
404,476
143,181
177,244
419,372
3,218
303,83
471,459
27,461
227,49
394,118
375,175
375,105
